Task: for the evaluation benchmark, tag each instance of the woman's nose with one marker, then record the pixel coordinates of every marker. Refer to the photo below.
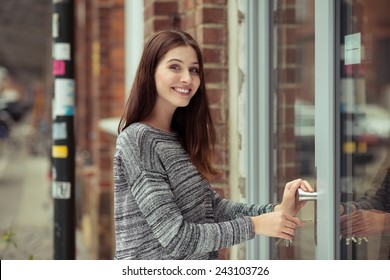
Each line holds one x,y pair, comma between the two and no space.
186,77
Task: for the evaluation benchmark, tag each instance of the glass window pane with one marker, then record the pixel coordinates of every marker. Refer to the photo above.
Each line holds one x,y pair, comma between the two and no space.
364,88
293,127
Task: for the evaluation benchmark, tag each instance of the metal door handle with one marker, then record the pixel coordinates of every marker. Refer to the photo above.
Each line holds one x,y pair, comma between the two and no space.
308,196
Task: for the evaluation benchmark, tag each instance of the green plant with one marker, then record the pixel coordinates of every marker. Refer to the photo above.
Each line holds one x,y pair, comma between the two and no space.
9,238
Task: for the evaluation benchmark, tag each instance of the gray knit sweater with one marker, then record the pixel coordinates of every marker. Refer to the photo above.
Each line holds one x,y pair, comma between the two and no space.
164,208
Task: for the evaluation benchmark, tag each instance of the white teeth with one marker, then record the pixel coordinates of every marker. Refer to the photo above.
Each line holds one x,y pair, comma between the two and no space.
182,90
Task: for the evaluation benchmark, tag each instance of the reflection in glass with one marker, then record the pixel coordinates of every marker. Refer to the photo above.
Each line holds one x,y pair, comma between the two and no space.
293,126
364,89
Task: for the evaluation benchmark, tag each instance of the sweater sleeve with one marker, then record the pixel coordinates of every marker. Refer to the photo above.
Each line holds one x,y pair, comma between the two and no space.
381,199
156,202
226,210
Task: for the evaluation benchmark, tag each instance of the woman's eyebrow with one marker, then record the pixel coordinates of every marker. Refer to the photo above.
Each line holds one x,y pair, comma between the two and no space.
178,60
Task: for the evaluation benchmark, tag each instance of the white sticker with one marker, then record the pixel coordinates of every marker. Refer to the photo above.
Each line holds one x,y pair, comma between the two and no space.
64,96
55,25
61,190
62,51
352,49
59,131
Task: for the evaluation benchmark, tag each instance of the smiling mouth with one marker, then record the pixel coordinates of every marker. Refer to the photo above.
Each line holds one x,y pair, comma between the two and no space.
183,91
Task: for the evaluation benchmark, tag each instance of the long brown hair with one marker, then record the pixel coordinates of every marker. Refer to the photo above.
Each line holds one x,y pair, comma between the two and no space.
193,123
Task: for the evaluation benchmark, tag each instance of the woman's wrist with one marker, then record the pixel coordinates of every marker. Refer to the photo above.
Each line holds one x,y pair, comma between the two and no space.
253,220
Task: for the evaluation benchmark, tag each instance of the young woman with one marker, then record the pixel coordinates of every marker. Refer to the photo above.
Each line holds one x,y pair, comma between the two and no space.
164,205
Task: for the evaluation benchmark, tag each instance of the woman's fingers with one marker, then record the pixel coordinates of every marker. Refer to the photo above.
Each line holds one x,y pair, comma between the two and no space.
290,223
289,203
295,184
289,226
299,183
306,186
276,224
295,220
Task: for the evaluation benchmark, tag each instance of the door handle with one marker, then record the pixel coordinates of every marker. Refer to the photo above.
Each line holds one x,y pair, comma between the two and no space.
306,196
301,195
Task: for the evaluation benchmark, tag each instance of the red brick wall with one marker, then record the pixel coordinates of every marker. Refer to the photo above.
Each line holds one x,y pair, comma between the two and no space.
286,71
295,52
100,82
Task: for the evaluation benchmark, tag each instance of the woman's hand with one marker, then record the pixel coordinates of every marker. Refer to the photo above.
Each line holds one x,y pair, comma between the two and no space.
289,202
276,224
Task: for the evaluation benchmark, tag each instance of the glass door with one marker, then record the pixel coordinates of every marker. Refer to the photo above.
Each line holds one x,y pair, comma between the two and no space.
331,124
363,89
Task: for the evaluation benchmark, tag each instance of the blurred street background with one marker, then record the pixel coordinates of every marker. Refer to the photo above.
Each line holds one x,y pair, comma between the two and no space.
26,205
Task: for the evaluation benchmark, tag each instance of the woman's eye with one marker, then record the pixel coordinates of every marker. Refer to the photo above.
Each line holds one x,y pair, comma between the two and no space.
194,70
175,67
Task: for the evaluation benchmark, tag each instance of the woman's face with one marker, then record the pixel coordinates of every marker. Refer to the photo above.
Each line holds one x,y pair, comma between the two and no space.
177,78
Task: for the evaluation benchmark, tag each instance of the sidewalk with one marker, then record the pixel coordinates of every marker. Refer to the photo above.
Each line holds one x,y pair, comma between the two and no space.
27,208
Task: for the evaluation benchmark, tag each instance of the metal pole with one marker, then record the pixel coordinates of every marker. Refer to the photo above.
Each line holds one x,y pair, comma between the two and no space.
63,147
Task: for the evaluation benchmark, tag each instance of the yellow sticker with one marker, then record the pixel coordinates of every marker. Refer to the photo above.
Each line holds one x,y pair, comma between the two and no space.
59,151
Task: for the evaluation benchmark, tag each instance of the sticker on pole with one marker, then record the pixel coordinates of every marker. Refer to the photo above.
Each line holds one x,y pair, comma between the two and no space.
61,190
64,95
59,67
59,131
55,25
59,151
62,51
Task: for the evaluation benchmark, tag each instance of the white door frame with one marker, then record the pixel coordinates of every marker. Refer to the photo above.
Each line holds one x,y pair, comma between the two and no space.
325,128
258,127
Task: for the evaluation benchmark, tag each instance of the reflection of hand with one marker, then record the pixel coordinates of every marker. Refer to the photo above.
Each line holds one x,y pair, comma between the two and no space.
289,202
363,223
276,224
